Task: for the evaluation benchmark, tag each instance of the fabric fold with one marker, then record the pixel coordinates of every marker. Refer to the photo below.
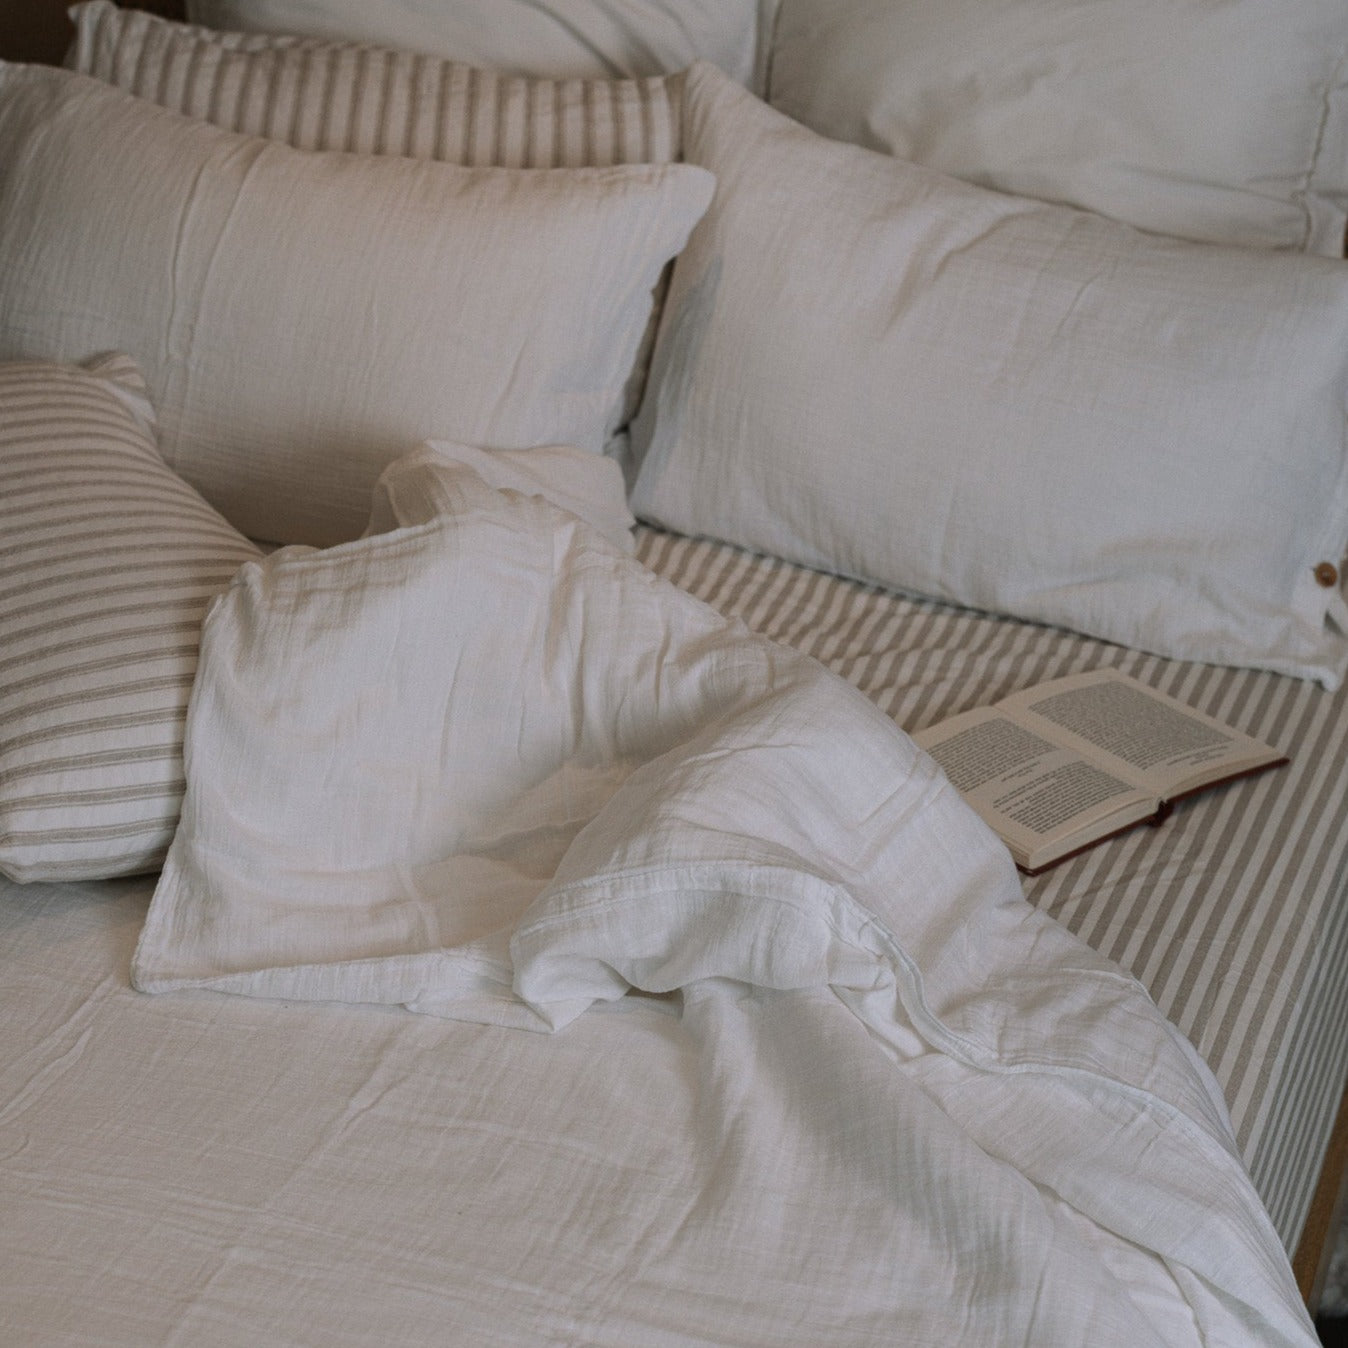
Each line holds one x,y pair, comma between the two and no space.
487,767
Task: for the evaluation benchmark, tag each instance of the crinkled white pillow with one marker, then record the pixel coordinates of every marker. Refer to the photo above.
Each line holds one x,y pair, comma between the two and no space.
109,561
1219,120
318,95
304,318
871,368
530,37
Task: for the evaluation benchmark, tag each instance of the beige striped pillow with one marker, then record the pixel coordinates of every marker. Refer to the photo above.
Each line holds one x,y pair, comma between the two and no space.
107,562
318,95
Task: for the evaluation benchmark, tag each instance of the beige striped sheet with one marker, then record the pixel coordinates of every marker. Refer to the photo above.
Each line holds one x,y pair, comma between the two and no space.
107,562
1233,914
319,95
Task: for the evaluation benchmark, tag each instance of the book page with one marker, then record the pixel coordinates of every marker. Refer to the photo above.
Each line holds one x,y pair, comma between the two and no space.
1144,736
1041,798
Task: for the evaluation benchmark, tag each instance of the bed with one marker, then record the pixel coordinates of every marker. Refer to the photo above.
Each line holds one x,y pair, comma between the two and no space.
594,435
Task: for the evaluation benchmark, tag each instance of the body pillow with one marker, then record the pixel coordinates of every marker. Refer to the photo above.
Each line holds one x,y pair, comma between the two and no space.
871,368
1219,120
304,318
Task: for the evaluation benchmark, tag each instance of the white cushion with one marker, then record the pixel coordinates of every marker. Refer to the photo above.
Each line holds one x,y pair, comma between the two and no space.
1219,120
868,367
108,563
318,95
304,318
530,37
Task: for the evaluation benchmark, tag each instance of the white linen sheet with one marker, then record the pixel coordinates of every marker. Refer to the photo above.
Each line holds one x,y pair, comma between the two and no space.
870,1096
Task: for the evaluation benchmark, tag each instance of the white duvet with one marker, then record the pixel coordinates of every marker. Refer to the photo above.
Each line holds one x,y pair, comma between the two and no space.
485,766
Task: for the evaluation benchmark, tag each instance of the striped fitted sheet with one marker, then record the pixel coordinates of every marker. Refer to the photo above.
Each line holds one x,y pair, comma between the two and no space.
1233,914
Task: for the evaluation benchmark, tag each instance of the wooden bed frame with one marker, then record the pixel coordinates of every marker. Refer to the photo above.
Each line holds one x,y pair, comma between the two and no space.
1329,1208
39,30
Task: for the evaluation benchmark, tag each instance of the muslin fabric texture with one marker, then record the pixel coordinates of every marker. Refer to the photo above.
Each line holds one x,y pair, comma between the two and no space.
108,564
1224,121
588,486
487,767
318,95
871,368
302,318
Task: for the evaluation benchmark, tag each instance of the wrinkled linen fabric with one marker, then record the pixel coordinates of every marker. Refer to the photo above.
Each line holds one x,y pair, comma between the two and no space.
503,307
487,767
874,370
588,486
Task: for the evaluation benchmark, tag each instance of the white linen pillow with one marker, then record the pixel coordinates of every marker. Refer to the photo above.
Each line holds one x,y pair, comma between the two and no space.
304,318
318,95
587,38
868,367
109,561
1219,120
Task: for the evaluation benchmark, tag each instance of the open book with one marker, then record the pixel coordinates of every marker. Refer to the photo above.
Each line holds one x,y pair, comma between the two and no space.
1061,766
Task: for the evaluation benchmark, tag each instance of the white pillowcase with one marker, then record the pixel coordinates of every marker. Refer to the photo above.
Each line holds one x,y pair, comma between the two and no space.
530,37
108,563
318,95
868,367
304,318
1219,120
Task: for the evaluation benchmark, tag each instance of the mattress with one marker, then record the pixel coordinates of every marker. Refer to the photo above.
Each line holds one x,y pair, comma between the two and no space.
1233,914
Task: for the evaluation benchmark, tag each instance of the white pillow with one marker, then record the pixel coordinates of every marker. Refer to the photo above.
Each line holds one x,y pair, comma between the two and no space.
530,37
108,563
318,95
871,368
304,318
1219,120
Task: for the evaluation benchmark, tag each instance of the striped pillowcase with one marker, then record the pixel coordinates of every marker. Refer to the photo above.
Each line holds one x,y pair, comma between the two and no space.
107,563
318,95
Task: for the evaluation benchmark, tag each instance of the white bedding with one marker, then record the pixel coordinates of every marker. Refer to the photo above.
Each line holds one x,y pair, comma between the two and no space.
872,1096
730,1166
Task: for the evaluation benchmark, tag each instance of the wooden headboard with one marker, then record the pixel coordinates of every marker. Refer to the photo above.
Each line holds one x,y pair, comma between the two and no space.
38,30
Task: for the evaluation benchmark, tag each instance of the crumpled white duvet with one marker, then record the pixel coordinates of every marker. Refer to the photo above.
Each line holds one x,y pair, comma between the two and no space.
486,766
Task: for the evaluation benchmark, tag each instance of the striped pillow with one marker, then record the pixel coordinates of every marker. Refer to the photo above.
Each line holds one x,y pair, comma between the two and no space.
107,562
318,95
